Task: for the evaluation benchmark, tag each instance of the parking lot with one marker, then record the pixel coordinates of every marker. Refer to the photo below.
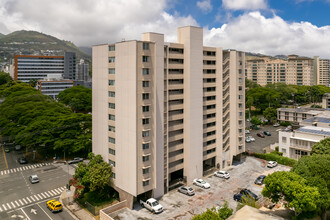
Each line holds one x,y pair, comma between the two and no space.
179,206
259,144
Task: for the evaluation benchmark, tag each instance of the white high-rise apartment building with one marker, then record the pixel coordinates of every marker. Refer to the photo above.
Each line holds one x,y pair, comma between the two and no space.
166,112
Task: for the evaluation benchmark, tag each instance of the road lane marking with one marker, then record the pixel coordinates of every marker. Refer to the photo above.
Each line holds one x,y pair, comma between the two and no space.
27,198
13,204
25,214
44,212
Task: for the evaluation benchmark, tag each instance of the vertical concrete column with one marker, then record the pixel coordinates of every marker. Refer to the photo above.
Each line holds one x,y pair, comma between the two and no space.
158,114
192,38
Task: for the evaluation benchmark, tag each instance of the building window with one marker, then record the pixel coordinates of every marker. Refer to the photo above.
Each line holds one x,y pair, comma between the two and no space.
239,71
145,108
112,105
112,151
145,133
112,71
111,82
240,113
283,150
240,88
112,140
240,96
145,46
240,105
145,121
240,147
112,117
112,128
145,146
284,140
112,48
145,183
112,94
145,158
145,71
112,163
146,170
113,175
240,80
145,59
240,122
111,59
145,96
145,83
240,131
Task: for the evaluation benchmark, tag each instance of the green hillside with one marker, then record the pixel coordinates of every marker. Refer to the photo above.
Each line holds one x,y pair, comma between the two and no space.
32,42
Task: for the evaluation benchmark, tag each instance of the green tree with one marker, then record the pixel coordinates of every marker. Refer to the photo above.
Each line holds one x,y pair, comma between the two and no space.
315,170
322,147
225,212
270,114
255,121
209,214
79,98
249,84
5,78
293,189
33,82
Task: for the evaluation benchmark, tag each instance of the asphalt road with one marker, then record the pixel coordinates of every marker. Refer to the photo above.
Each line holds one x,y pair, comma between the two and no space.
18,196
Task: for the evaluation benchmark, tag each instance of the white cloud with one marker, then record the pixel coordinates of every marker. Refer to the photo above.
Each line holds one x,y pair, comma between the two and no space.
88,22
205,5
253,32
244,4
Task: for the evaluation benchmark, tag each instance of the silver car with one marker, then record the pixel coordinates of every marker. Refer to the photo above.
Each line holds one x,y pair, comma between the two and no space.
34,179
272,164
186,190
222,174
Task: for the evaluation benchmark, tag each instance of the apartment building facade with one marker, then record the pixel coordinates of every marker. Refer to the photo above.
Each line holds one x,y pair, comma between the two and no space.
326,101
166,112
322,70
297,115
295,70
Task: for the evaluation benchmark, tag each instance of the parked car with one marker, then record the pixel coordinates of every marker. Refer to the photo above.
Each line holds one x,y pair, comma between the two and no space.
238,197
222,174
34,179
276,125
201,183
76,160
22,160
7,150
271,164
260,135
54,205
187,190
247,140
251,138
267,133
152,205
247,131
18,147
260,180
249,193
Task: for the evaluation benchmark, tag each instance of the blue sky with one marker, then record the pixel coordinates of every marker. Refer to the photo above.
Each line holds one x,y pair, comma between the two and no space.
270,27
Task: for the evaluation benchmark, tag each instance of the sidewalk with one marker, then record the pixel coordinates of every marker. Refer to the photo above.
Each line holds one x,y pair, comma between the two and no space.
79,213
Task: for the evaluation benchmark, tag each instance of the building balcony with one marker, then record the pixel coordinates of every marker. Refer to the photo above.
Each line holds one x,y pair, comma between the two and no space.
175,106
175,127
175,86
175,137
175,158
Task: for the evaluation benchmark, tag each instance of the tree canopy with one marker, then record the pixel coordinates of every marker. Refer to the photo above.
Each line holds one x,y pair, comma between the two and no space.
213,214
79,98
5,78
322,147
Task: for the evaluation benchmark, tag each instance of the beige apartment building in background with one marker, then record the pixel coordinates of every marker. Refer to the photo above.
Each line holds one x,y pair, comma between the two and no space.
165,113
294,70
322,71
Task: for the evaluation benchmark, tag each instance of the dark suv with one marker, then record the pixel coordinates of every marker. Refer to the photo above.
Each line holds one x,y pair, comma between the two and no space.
249,193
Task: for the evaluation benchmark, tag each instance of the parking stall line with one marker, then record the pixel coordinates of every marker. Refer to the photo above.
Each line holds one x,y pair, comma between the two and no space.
4,207
27,198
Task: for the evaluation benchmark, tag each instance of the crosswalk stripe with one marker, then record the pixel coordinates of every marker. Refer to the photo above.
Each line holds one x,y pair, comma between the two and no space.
36,197
53,192
17,203
24,168
50,193
14,170
47,194
43,195
5,172
1,173
27,198
20,169
34,166
62,188
40,196
32,198
0,209
4,207
13,204
20,201
57,192
8,205
25,201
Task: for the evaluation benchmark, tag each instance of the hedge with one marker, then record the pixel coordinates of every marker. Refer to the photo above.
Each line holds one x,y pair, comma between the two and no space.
276,157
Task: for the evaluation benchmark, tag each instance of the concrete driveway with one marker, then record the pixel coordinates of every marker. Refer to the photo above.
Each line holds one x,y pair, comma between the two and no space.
179,206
